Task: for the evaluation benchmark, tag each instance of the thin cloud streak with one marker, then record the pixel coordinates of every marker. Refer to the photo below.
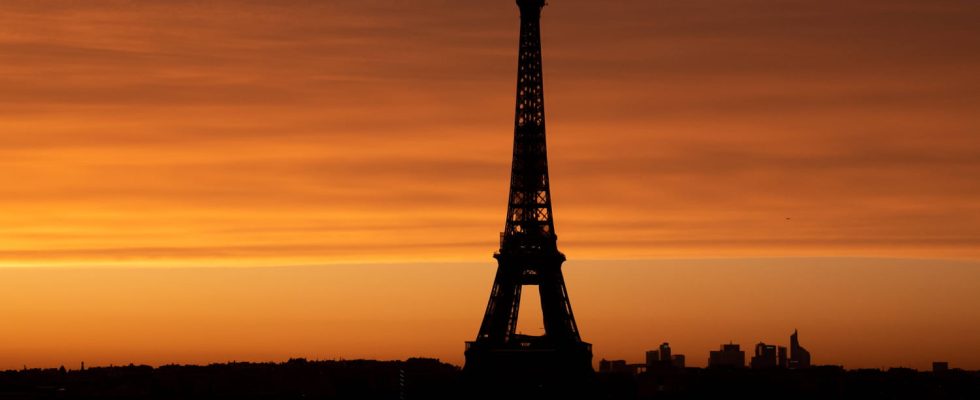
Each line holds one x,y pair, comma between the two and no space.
675,128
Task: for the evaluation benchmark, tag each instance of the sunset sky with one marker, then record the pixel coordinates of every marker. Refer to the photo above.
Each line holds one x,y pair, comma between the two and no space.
205,181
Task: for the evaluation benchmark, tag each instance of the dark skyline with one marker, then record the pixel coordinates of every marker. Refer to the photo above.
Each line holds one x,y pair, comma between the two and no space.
430,379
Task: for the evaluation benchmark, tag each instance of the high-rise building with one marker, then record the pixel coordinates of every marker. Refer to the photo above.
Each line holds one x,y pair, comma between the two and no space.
765,356
729,356
782,357
798,356
665,353
653,359
663,358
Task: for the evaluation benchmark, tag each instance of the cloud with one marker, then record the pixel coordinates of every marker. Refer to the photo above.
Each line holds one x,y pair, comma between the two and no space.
189,129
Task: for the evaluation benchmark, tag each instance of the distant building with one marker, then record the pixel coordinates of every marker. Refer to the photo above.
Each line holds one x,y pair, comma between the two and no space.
653,359
636,369
664,359
665,353
782,357
729,356
798,356
940,366
613,366
765,356
620,367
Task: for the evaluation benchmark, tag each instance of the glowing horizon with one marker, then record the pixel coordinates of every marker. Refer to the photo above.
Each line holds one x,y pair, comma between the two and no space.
884,313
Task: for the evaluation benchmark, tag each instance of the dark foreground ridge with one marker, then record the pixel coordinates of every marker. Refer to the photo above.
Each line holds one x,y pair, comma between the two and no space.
416,378
823,382
421,378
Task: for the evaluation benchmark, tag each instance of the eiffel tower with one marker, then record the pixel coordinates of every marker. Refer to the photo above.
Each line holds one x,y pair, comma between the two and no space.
500,359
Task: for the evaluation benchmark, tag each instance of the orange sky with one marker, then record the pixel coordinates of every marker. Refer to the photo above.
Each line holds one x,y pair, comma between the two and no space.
274,133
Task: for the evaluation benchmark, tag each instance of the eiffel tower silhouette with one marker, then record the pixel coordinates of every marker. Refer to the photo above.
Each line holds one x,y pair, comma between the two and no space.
501,362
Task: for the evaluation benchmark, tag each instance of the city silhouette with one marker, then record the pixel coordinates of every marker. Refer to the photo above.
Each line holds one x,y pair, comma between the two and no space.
663,375
501,362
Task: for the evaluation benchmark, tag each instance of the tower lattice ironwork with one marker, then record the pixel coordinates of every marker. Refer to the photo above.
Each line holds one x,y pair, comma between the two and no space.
528,254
